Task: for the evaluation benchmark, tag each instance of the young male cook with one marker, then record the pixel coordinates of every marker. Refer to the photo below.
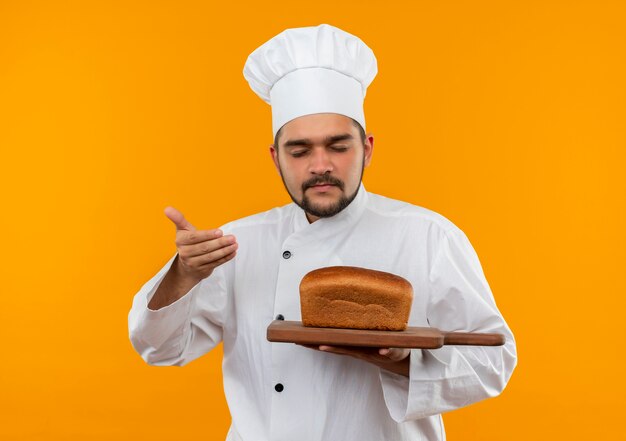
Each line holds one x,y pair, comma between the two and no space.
228,284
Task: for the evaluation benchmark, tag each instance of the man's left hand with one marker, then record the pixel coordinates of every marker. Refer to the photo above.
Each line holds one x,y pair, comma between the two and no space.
396,360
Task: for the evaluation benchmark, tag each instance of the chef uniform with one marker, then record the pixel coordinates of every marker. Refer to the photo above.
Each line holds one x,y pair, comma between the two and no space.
285,392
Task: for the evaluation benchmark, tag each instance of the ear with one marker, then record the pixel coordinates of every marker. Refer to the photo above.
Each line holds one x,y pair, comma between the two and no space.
368,148
274,155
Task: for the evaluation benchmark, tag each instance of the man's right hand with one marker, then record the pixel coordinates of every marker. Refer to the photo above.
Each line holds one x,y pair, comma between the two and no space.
199,253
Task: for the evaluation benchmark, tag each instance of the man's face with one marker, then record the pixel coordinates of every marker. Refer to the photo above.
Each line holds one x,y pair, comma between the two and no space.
321,160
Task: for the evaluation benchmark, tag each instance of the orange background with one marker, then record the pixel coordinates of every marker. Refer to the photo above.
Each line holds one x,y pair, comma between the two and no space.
506,117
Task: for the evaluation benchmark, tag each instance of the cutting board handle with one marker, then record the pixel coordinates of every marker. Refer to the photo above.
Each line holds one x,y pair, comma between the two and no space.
473,338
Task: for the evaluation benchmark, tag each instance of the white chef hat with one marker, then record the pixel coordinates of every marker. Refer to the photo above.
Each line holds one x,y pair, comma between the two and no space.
317,69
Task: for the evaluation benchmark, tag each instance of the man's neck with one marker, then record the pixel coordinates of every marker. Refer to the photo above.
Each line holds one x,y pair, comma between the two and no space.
311,218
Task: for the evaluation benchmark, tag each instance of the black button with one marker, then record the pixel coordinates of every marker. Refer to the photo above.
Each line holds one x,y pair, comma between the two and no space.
279,387
286,255
280,317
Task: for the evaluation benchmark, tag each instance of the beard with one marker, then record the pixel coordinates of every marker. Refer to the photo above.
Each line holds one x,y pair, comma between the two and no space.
323,210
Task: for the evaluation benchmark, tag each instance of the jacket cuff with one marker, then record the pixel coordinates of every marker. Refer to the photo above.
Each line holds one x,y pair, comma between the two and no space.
439,380
168,322
150,329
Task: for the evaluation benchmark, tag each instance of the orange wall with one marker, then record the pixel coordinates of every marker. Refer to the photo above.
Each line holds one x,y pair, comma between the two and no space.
506,117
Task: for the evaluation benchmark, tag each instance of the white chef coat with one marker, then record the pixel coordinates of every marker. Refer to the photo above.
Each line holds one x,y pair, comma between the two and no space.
330,397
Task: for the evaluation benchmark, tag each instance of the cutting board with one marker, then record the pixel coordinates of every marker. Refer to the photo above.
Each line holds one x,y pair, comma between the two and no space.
413,337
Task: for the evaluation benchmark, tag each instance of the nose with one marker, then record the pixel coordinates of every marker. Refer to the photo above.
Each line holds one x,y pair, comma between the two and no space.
320,162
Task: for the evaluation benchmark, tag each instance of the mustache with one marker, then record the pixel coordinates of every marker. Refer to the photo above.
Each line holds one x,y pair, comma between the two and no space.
322,180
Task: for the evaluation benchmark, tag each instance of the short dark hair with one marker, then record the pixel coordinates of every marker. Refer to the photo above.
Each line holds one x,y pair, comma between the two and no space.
354,122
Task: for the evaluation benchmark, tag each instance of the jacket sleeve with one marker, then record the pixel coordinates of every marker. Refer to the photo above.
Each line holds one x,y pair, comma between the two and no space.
184,330
451,377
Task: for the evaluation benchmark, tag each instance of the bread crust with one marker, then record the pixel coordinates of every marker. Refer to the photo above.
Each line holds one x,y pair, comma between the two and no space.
356,298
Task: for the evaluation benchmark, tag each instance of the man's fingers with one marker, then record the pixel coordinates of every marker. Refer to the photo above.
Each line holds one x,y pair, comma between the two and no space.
219,262
367,353
225,258
212,243
213,257
395,354
198,237
179,220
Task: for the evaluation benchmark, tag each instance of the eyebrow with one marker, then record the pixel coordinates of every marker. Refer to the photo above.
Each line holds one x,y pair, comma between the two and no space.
307,142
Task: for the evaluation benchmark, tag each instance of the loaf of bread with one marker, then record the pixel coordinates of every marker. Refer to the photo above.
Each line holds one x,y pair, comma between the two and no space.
356,298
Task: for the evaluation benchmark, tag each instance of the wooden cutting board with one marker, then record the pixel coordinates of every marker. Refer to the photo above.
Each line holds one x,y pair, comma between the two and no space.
413,337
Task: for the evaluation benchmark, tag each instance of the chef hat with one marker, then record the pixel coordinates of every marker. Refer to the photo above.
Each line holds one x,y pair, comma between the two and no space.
317,69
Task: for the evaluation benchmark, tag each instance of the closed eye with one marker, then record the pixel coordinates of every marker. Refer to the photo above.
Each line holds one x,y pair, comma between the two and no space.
302,152
299,153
